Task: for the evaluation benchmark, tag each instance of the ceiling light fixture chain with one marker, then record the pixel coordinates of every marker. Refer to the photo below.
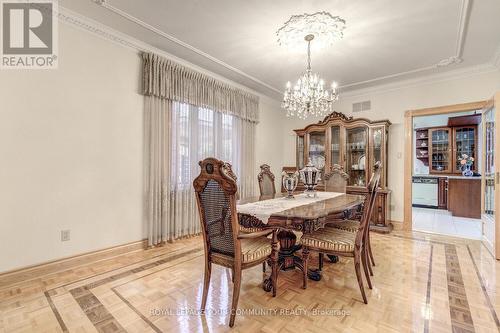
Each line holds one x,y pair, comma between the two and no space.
309,38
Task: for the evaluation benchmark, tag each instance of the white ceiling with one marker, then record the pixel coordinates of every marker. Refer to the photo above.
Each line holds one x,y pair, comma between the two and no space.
385,40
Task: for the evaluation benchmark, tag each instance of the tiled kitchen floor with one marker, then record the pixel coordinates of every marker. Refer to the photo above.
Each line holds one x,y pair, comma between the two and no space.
440,221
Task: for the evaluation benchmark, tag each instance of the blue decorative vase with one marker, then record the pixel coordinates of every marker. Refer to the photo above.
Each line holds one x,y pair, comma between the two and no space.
467,172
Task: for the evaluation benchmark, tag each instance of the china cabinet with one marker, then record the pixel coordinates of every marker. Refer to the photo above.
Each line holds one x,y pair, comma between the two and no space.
441,148
356,144
465,139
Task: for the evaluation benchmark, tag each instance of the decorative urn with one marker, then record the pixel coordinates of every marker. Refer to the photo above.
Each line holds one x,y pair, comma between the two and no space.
310,176
290,182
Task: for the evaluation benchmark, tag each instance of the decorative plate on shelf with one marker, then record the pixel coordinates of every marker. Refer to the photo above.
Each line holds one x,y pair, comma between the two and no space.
320,162
362,162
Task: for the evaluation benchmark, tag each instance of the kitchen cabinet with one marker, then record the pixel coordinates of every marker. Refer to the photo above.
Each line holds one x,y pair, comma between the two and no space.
465,142
463,197
440,150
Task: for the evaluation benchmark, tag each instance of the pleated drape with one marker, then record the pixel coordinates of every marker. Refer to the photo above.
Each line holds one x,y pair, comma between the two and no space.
188,117
166,79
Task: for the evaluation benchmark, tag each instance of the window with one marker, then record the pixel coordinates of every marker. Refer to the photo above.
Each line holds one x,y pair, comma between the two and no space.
198,133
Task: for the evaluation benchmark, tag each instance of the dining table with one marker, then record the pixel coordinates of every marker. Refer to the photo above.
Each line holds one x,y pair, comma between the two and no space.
301,213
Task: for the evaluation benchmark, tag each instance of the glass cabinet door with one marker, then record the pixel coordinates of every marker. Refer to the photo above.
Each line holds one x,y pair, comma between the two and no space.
335,146
489,163
465,143
377,141
356,162
317,142
440,150
300,152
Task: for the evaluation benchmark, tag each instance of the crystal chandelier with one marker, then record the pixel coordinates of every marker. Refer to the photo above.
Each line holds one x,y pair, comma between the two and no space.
309,97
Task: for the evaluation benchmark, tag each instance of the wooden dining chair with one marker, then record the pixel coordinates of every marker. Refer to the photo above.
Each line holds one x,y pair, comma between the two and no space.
224,244
353,226
336,180
266,181
345,243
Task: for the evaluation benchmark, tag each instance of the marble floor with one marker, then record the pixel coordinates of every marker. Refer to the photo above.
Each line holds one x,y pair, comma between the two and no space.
439,221
421,283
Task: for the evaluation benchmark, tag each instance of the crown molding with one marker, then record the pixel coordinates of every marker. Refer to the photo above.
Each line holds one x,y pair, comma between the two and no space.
179,42
463,23
107,33
115,36
460,73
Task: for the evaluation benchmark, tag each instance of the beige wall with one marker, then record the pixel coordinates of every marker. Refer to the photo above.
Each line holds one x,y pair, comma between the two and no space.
391,104
269,142
71,147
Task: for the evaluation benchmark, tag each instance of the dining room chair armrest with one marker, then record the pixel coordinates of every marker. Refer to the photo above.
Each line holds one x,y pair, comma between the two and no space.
257,234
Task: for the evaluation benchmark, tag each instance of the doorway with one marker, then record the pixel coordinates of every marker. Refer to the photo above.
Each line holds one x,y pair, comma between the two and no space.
444,201
490,182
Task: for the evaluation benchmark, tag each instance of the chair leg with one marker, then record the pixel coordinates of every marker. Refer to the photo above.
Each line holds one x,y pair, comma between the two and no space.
358,275
368,260
236,294
364,261
274,263
232,274
320,261
370,250
206,284
305,258
264,267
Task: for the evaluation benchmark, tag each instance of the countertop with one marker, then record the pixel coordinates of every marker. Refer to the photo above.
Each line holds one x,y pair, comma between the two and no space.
448,176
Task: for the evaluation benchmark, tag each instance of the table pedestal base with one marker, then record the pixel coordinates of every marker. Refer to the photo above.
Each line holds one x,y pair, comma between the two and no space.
287,260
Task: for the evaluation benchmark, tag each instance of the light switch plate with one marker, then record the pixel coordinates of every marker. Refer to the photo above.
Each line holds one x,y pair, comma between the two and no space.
65,235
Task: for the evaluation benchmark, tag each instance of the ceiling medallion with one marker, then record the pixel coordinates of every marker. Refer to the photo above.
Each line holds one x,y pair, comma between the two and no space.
308,97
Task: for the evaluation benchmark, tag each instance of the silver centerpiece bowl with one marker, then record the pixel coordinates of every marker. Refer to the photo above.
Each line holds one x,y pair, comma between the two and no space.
310,176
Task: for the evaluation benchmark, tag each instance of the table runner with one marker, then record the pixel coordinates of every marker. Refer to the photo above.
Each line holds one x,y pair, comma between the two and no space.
265,208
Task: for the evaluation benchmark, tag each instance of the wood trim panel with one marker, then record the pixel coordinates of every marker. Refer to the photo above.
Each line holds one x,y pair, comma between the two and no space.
447,109
408,149
496,103
443,193
57,265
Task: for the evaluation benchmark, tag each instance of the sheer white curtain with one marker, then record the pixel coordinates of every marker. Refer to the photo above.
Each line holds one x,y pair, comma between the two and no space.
157,123
191,116
194,133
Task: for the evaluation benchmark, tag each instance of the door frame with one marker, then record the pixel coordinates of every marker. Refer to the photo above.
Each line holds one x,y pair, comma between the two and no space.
408,148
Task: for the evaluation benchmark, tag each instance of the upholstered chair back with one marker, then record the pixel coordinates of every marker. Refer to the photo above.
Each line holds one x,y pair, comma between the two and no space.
336,180
266,181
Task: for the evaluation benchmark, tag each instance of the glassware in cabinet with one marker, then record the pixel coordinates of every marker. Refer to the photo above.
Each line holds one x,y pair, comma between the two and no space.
440,150
317,143
356,148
